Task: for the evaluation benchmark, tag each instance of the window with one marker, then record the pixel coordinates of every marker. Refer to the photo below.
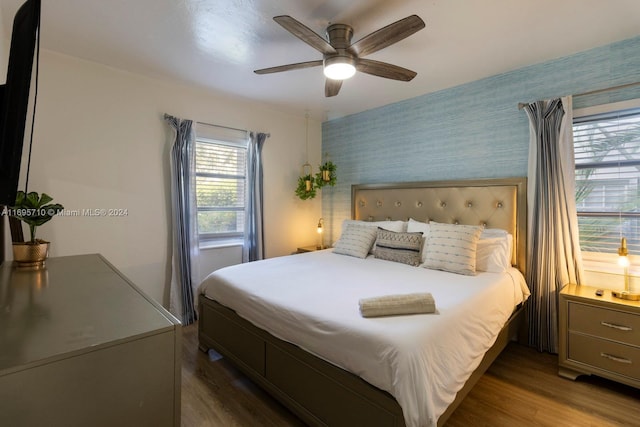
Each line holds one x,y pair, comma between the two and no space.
607,154
221,170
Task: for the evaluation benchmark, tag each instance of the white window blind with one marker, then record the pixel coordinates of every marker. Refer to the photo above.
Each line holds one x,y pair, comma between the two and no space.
607,155
221,168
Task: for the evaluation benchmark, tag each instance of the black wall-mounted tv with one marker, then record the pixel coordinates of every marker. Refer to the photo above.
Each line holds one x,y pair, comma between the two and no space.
14,97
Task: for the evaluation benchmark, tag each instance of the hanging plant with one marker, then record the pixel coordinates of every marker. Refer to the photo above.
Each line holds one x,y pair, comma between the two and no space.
306,188
306,183
327,175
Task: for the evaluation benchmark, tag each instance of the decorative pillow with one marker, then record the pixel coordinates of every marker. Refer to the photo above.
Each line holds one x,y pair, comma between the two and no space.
452,248
356,240
493,254
414,226
387,225
399,247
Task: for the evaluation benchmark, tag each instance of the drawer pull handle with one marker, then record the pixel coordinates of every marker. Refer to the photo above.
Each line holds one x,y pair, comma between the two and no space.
615,358
614,326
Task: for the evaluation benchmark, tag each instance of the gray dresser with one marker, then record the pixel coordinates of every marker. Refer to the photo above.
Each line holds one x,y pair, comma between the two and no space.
80,345
599,335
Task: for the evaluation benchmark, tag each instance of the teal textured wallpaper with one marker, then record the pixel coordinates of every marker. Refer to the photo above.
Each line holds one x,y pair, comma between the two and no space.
469,131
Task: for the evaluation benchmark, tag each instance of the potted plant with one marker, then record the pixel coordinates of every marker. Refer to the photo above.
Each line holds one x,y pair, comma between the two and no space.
327,175
306,189
34,210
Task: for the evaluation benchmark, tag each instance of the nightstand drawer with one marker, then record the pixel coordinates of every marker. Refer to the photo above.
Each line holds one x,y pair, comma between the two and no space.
606,323
613,357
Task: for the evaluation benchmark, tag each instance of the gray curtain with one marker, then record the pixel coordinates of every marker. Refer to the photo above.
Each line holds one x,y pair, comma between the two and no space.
184,222
253,247
553,243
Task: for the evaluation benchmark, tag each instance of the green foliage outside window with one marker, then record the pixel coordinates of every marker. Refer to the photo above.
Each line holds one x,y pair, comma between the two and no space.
220,189
607,181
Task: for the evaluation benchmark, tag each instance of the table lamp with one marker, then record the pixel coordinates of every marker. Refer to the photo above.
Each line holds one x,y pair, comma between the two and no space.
320,242
623,261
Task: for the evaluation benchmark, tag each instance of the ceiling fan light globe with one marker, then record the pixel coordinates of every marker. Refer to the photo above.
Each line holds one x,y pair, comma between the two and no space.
339,71
339,68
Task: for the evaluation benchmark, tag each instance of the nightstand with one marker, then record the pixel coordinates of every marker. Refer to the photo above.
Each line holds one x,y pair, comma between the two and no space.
599,335
304,249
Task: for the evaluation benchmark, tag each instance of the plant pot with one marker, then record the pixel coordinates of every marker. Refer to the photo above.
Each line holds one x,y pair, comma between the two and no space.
326,175
30,255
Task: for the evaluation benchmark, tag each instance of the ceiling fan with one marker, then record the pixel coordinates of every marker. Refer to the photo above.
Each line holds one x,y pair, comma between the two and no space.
341,59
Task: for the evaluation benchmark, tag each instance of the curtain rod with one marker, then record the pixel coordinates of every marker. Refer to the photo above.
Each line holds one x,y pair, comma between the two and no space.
229,127
521,105
220,126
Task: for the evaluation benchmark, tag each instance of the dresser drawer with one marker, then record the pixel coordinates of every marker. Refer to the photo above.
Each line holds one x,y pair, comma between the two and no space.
613,357
614,325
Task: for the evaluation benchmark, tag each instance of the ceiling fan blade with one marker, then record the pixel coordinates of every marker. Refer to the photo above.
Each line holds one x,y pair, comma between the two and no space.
289,67
387,36
383,69
332,87
304,33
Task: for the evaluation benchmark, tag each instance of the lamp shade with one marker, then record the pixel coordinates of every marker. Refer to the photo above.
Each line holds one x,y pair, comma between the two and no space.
623,260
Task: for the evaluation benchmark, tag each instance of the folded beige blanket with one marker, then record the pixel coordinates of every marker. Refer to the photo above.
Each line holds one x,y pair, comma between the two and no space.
391,305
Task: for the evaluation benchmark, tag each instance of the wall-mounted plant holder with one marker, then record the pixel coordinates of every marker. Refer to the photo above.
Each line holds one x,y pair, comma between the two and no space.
327,175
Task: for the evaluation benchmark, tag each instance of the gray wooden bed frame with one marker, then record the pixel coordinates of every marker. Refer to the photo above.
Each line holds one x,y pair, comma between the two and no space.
322,394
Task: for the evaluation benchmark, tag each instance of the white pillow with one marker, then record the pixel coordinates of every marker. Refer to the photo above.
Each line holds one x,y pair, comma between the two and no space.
493,254
356,240
414,226
452,248
397,226
493,232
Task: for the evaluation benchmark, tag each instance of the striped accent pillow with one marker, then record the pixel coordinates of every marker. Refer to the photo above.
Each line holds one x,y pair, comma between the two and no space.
387,225
399,247
452,248
355,240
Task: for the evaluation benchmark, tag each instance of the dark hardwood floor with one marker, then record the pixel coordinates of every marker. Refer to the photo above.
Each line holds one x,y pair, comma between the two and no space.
521,388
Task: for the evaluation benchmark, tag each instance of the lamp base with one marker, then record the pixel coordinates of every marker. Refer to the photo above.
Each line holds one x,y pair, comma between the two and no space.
631,296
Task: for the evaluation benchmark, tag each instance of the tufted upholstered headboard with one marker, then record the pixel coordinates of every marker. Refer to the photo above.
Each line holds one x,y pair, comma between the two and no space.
492,203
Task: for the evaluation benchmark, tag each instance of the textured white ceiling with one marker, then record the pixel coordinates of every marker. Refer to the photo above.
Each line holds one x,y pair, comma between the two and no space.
217,44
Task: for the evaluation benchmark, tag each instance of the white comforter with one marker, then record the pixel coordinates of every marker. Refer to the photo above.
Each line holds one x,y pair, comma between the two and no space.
311,300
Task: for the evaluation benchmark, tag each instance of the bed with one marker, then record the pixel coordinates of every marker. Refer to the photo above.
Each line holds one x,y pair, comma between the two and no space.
292,323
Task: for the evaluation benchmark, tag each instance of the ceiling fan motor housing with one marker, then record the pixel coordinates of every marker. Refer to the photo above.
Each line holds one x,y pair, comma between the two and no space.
340,35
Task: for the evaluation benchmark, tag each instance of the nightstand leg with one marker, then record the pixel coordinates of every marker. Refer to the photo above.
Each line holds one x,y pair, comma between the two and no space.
569,373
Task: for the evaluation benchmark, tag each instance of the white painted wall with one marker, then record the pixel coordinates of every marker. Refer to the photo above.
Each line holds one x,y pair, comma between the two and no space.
4,52
101,142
